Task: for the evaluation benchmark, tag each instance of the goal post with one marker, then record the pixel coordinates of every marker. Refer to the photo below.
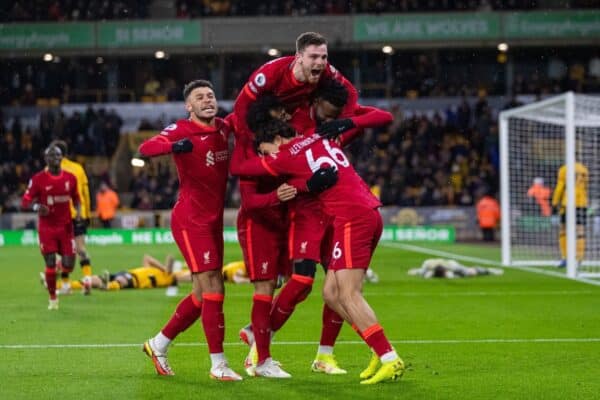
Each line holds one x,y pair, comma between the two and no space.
536,140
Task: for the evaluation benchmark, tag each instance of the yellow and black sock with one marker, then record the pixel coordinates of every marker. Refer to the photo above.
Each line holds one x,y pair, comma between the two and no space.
86,267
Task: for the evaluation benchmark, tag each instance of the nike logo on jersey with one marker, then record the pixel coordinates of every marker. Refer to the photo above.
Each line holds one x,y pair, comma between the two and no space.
203,137
48,187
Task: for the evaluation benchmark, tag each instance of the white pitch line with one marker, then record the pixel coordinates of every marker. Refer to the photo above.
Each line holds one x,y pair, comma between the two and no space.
303,343
440,253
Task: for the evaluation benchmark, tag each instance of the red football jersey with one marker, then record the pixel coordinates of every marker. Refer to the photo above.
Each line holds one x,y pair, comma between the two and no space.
304,120
277,77
202,172
55,192
301,157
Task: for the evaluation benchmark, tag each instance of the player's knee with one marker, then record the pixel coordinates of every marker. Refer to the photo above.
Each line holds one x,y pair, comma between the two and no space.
329,295
50,260
305,267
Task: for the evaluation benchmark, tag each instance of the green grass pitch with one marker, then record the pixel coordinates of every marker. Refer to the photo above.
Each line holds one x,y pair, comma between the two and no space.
521,335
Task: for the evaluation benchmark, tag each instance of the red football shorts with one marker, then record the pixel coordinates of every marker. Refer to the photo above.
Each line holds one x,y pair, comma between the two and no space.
264,249
355,239
308,224
200,244
57,239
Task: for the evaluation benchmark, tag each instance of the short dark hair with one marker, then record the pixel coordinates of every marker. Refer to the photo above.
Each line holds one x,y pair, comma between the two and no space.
61,144
259,111
332,91
309,39
267,132
53,146
187,89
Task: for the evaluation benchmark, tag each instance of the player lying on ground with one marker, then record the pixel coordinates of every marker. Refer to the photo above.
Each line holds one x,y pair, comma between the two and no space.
50,193
152,274
445,268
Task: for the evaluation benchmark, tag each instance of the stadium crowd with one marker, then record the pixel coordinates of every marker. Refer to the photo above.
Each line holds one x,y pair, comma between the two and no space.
447,158
68,10
407,73
92,10
21,146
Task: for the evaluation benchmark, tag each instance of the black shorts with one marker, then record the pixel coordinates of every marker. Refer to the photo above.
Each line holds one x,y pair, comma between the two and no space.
580,216
127,276
80,226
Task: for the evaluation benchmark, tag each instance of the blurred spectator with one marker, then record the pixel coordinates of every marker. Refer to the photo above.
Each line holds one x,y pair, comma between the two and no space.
488,215
60,10
107,202
541,194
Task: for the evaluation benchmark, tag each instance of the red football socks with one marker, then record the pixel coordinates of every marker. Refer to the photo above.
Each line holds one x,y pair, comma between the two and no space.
213,321
187,312
51,281
376,339
332,325
294,292
261,325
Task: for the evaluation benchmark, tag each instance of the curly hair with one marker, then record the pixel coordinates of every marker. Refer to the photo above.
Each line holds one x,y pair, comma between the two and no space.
332,91
268,131
259,111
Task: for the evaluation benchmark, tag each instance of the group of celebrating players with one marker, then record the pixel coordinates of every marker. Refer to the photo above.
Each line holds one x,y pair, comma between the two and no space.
302,203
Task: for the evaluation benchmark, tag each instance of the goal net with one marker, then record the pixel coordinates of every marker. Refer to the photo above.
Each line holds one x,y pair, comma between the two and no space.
536,140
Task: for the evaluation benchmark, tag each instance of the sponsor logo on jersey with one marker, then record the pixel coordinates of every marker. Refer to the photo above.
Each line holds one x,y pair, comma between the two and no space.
58,199
260,80
222,155
303,247
210,158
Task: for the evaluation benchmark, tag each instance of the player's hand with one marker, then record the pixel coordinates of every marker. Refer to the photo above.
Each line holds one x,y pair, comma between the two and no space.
322,179
43,210
286,192
182,146
333,129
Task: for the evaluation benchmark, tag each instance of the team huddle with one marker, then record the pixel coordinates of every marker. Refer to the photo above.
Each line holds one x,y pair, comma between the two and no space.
302,203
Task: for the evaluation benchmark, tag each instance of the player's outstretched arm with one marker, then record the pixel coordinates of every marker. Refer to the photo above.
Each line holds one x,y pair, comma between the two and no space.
366,117
156,146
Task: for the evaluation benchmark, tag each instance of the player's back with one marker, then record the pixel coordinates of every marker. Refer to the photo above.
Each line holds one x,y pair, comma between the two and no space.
581,184
150,277
349,194
203,171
